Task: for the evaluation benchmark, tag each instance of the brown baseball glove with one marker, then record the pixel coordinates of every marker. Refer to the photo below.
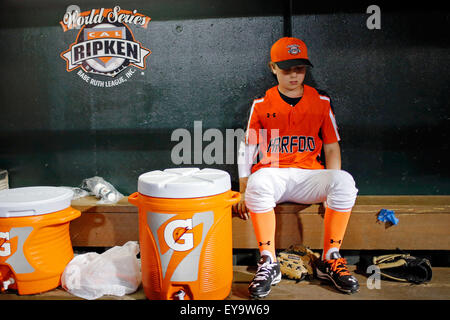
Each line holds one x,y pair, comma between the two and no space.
297,262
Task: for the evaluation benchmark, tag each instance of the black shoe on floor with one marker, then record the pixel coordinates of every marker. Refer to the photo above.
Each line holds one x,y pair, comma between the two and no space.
335,270
267,275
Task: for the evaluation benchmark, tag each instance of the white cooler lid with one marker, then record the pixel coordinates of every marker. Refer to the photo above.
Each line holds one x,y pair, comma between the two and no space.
33,201
184,183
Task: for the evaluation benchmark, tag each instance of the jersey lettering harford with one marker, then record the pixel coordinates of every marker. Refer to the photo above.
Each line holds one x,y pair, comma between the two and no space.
290,144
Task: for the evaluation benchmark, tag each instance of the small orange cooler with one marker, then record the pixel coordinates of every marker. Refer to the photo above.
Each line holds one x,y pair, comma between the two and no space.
185,233
35,244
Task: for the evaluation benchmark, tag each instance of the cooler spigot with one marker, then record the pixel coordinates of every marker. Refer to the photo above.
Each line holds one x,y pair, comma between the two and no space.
179,295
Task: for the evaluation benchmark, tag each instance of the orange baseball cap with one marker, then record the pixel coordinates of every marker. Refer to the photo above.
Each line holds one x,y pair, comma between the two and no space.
289,52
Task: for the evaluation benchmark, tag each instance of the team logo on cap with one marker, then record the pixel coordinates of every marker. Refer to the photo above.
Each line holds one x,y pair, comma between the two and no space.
105,44
294,49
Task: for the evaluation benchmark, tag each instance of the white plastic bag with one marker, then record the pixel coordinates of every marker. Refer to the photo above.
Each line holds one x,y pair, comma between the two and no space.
114,272
102,189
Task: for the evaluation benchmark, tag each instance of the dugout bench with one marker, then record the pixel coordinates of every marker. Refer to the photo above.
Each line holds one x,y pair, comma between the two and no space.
423,224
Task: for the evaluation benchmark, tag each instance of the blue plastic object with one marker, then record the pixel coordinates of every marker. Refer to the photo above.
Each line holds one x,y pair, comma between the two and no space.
387,216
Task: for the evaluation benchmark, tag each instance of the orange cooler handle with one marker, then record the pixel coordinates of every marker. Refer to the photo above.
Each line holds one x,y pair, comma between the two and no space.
235,198
57,217
73,214
134,199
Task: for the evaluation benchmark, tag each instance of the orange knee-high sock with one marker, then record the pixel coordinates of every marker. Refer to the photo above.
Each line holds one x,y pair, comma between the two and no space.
264,227
335,224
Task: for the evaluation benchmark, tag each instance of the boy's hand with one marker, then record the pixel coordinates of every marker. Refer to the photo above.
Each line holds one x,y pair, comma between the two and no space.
241,209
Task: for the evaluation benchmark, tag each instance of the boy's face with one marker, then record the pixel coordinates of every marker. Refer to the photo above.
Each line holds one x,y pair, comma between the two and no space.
289,79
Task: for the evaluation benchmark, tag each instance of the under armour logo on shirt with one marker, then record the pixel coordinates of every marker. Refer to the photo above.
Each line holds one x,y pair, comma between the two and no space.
264,243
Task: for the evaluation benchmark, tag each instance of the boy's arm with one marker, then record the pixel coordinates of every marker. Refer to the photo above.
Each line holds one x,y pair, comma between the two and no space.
332,153
246,155
248,149
243,184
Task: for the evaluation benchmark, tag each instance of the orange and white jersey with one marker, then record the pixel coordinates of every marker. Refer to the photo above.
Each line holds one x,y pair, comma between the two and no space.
291,136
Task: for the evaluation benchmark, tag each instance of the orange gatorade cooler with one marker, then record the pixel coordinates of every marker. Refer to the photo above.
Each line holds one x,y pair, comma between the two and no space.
35,244
185,233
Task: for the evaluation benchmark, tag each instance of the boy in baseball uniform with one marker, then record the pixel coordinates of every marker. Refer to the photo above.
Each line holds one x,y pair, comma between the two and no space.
287,130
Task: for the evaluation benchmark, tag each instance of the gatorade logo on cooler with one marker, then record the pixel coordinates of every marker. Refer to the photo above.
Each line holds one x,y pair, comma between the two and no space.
5,247
11,249
180,240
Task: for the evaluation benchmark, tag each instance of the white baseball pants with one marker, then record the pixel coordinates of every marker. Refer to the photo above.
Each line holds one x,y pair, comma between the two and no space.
269,186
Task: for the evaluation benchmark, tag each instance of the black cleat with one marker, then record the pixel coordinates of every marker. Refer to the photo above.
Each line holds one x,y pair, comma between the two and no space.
335,270
267,275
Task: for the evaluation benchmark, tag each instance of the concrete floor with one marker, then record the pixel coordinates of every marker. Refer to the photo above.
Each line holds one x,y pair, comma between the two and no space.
437,289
